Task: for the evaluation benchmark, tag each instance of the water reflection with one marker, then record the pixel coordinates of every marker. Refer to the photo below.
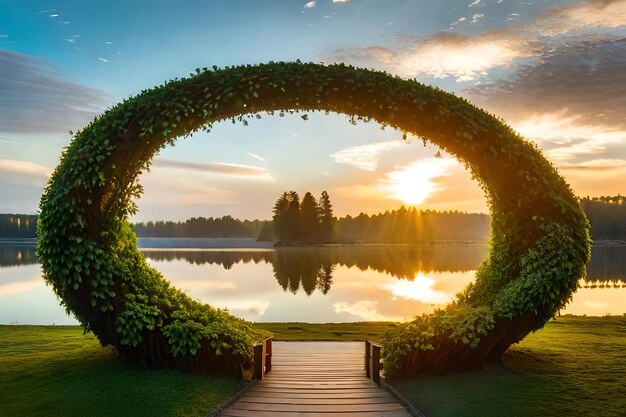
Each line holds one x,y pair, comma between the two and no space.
15,255
329,284
310,268
421,278
422,288
223,258
607,267
397,261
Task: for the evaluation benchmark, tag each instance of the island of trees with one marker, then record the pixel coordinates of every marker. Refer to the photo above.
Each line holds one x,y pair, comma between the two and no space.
308,221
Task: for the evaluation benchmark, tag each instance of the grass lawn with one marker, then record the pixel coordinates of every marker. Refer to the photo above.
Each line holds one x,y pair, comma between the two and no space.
575,366
57,371
327,331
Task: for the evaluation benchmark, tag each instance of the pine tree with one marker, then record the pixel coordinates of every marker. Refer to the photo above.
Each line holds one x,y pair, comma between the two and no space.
309,224
292,218
279,219
325,213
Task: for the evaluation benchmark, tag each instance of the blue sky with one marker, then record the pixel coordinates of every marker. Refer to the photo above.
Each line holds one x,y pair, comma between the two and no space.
554,70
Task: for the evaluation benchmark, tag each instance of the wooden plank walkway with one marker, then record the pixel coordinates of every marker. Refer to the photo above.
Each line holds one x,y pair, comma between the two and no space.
316,379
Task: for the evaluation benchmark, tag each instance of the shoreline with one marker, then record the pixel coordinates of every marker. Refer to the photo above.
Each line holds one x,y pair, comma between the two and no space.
297,325
175,243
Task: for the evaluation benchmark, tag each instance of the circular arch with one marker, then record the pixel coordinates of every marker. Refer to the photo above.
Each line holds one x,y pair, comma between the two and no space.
539,244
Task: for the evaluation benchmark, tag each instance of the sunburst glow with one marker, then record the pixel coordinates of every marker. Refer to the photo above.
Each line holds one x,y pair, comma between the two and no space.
414,183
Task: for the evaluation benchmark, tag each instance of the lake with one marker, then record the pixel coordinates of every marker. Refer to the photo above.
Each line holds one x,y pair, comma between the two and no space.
317,284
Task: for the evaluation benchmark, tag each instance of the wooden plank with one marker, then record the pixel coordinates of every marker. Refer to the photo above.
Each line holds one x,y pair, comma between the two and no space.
316,379
319,386
299,381
257,413
283,391
320,395
254,399
317,408
313,372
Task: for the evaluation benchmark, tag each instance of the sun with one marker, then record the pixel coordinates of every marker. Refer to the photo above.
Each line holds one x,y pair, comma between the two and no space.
414,183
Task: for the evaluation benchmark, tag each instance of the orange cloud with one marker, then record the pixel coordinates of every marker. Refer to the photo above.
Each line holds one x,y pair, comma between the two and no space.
444,55
585,14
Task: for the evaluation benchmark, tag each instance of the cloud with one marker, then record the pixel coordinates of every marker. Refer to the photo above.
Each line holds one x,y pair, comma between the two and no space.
595,177
161,190
459,20
364,157
218,286
443,55
8,140
255,156
23,173
309,5
246,306
12,288
573,97
366,310
566,137
103,60
475,3
598,165
512,17
586,14
21,185
476,17
231,170
36,99
565,79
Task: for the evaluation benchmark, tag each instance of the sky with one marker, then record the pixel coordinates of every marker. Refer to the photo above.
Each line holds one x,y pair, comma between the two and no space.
554,70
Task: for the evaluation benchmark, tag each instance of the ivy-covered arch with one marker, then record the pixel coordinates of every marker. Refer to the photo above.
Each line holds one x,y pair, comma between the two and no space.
539,246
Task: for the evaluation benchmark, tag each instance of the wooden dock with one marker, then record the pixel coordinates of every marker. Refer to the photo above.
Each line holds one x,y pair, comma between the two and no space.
316,379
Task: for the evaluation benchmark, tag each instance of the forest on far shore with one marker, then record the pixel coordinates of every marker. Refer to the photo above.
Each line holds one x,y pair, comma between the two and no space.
607,216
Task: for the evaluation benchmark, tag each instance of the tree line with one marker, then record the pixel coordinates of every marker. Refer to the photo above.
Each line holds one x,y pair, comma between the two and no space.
18,226
311,221
412,226
215,227
607,216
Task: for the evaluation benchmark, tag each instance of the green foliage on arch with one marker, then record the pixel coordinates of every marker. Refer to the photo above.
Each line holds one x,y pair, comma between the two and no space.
540,236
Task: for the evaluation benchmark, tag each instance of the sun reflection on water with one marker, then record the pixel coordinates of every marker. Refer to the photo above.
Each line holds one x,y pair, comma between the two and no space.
419,289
